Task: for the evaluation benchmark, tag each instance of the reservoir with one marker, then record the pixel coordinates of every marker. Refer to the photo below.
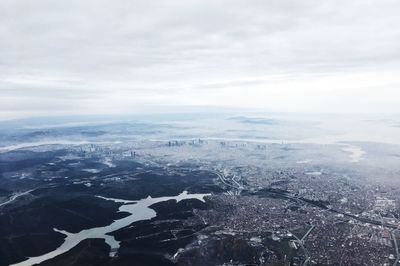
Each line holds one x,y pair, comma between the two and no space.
139,210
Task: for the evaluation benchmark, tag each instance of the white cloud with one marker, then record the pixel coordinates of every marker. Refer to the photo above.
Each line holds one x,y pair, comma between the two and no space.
119,56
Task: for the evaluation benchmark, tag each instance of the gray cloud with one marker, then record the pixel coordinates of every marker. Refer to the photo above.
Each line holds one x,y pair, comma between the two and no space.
174,50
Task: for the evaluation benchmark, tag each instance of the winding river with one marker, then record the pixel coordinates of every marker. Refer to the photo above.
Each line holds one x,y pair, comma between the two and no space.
139,210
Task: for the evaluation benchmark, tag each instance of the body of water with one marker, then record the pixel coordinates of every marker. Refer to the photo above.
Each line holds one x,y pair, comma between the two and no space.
139,210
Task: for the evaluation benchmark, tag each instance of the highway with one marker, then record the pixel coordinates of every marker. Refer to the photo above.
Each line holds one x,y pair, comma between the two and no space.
396,247
14,197
307,233
224,181
301,243
288,195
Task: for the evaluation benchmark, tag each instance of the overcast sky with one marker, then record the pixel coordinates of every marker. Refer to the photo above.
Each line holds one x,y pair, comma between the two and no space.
89,57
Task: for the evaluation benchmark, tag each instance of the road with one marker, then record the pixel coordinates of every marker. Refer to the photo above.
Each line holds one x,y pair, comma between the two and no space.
396,247
307,233
223,180
14,197
301,243
288,195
